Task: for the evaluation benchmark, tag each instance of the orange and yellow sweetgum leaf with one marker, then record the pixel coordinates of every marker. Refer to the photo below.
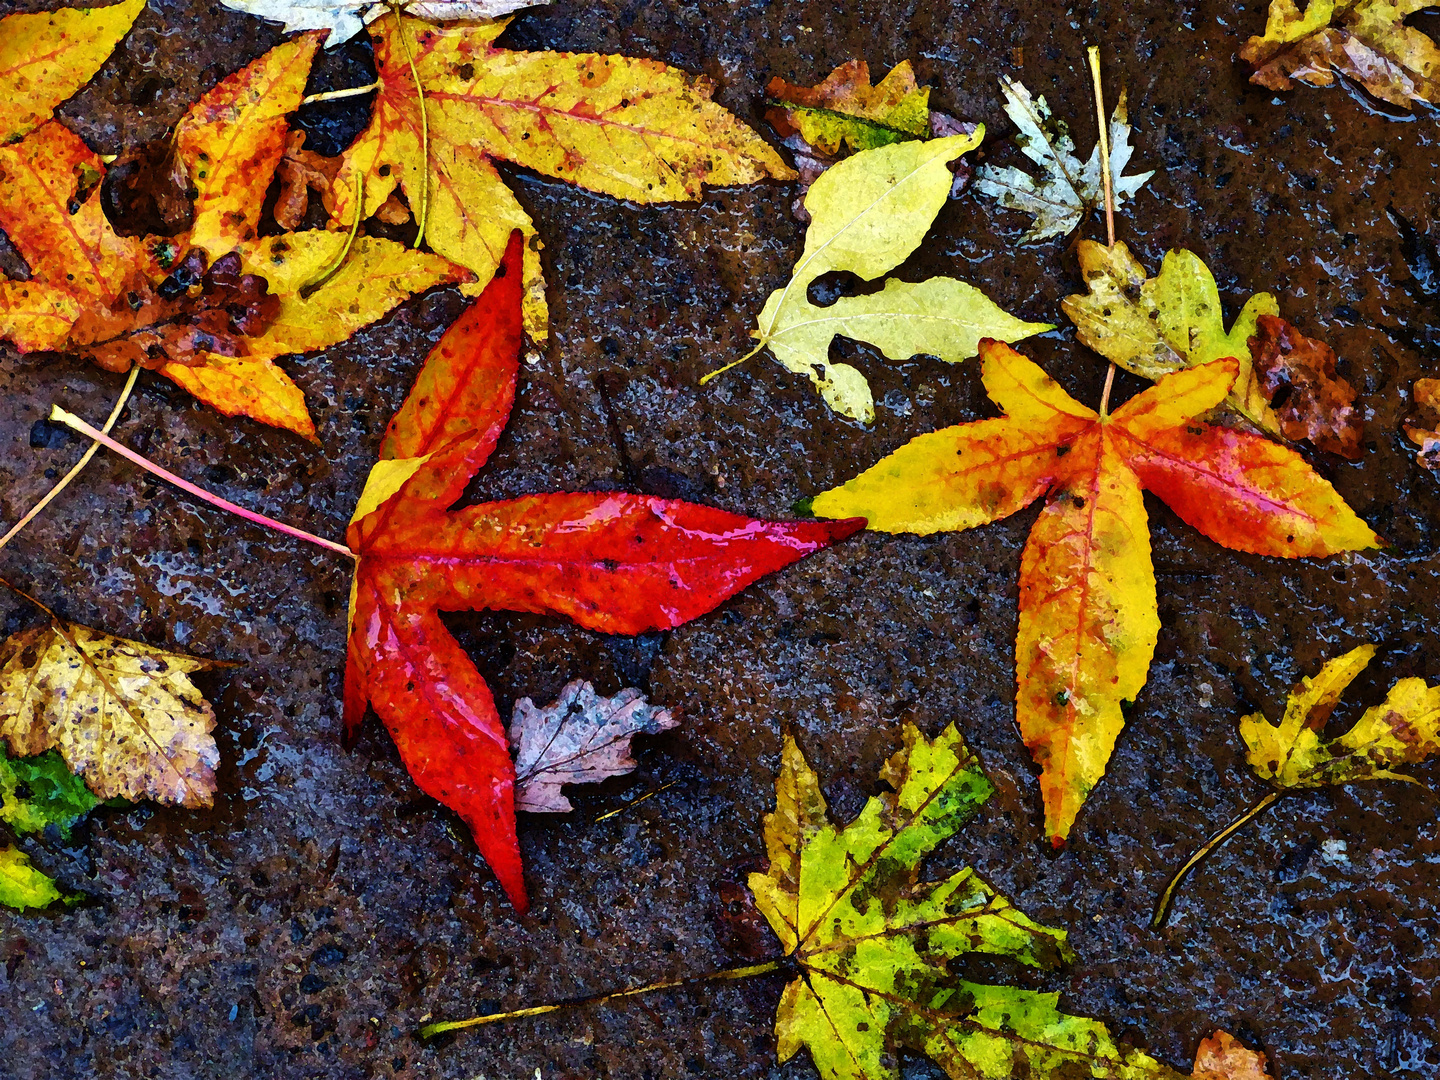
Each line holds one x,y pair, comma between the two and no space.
1088,624
246,386
1022,388
50,210
971,474
1239,489
36,316
47,56
232,140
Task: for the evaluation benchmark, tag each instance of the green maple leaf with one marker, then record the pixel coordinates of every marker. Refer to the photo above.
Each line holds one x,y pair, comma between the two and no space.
872,942
41,790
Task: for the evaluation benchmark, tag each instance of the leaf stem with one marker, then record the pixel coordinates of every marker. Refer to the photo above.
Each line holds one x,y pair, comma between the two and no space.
635,802
431,1030
60,416
424,213
309,290
734,363
1094,54
49,496
1162,906
337,95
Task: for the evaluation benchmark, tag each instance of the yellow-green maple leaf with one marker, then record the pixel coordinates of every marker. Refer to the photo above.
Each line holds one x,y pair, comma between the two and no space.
21,885
872,942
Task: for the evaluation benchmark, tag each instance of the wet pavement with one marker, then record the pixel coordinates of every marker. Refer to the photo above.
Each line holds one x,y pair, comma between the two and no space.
307,924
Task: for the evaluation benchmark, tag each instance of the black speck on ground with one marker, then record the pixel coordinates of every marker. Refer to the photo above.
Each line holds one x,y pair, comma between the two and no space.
307,924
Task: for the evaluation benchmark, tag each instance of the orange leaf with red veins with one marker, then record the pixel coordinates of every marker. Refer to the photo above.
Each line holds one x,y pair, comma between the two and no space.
1298,377
1088,616
50,210
617,563
233,139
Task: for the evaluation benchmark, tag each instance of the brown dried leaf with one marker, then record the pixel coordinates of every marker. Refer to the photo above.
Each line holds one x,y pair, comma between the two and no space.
192,315
1423,429
582,738
1297,374
122,714
300,172
1224,1057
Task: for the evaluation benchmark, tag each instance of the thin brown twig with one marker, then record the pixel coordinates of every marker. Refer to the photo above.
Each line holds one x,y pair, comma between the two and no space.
1162,906
441,1027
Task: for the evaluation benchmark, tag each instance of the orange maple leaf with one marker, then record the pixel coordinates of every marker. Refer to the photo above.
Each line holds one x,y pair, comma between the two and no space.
1088,616
230,144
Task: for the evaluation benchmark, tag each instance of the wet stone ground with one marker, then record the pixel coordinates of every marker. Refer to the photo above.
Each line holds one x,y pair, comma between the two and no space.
324,907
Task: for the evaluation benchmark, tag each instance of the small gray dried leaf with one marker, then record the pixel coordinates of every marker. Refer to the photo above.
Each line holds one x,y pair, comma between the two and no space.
582,738
1069,190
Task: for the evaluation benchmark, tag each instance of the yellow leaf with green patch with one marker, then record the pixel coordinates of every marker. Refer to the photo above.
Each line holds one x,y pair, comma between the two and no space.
1158,325
122,714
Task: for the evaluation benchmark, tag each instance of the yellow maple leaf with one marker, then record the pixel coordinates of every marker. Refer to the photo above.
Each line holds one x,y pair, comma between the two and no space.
635,129
47,56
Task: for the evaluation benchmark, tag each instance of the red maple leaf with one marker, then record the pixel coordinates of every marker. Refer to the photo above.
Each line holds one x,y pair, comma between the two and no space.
617,563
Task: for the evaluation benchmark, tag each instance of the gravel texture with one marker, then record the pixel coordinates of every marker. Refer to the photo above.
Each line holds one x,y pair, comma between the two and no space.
307,924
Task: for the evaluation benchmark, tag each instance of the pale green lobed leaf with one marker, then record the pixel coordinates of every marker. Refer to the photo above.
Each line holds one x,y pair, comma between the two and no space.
869,213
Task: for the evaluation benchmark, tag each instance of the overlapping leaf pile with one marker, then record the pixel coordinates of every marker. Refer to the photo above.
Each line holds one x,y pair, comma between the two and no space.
216,330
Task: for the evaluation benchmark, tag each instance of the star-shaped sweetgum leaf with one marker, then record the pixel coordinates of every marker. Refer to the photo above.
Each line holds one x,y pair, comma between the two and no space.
1088,615
616,563
633,128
